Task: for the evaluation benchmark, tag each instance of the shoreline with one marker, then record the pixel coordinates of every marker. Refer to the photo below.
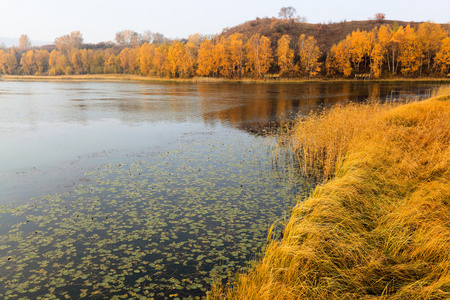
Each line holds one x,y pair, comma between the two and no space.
139,78
380,219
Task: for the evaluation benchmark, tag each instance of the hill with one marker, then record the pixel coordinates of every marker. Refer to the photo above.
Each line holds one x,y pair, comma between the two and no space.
326,34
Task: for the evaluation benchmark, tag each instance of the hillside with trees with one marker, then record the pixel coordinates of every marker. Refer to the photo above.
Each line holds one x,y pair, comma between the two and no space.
286,46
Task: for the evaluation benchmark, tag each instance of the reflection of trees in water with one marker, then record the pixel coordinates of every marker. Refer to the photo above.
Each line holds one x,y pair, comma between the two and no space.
257,108
247,107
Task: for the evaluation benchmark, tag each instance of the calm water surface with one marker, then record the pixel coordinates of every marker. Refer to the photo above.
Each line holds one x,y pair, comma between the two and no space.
145,190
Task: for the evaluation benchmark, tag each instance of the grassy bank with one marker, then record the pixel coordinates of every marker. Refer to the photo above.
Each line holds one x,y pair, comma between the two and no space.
379,228
130,77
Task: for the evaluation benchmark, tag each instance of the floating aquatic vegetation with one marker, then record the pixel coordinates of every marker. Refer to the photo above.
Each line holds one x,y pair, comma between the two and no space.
162,227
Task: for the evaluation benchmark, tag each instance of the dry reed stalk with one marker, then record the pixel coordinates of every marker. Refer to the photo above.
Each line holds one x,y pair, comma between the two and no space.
380,229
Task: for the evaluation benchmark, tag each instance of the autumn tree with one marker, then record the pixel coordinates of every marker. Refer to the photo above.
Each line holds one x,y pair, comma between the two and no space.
67,42
196,39
160,60
127,38
146,54
28,63
410,52
87,60
206,62
112,63
287,13
191,57
259,55
285,56
380,17
174,57
380,53
360,43
377,59
8,62
76,62
236,52
309,55
338,60
394,47
146,37
98,62
24,42
58,63
129,60
42,58
442,59
223,58
159,38
429,36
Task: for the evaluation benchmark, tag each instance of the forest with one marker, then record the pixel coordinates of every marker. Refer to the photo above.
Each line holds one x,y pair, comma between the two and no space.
384,52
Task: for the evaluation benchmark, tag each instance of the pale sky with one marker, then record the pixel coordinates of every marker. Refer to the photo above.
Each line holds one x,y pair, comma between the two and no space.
99,20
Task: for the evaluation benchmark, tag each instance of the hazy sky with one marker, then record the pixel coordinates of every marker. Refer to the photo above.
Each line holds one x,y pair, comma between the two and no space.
99,20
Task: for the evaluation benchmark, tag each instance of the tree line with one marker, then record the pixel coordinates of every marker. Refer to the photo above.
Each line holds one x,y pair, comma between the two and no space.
383,52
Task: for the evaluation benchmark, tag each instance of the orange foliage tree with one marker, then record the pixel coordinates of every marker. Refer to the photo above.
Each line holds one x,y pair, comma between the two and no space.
442,60
207,65
338,61
259,56
410,52
309,56
285,56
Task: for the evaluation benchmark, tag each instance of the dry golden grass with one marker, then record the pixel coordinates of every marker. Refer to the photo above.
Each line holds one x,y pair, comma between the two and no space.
319,141
380,229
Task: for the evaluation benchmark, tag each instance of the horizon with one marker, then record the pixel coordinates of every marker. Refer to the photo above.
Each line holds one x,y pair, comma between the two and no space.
14,42
99,20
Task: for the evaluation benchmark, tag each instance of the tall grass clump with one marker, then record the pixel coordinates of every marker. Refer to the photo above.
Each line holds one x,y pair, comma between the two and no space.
319,141
380,228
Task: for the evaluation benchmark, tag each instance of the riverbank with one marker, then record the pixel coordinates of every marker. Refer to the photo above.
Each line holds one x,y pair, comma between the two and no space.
380,226
130,77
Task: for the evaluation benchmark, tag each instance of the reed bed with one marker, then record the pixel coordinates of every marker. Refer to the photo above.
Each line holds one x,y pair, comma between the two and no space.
379,228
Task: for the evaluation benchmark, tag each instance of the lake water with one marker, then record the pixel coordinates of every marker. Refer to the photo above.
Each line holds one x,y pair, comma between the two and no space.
124,189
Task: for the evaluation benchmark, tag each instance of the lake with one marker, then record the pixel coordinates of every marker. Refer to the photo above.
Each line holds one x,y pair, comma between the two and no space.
147,190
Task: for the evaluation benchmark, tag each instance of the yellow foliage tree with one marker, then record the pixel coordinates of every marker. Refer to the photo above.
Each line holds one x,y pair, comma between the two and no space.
236,52
159,60
42,57
174,59
129,60
309,56
384,36
410,52
394,47
28,63
207,65
430,36
77,64
377,59
223,58
190,58
98,63
360,46
146,54
285,56
339,59
87,59
259,55
442,59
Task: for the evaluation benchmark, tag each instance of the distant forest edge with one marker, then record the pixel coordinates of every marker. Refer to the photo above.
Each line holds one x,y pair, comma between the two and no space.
285,47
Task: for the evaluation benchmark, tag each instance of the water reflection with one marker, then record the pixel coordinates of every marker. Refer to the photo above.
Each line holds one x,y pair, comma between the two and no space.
42,123
252,107
31,103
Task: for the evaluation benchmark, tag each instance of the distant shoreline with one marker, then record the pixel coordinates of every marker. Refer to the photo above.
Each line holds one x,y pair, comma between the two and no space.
129,77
